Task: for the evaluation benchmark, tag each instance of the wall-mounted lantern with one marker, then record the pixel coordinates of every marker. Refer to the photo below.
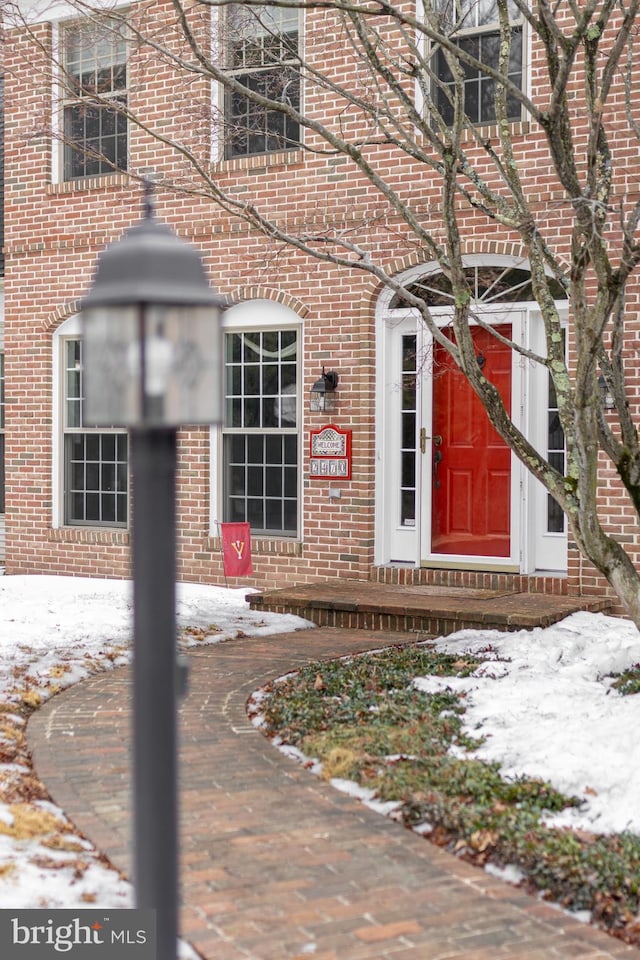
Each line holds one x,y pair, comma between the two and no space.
323,393
607,397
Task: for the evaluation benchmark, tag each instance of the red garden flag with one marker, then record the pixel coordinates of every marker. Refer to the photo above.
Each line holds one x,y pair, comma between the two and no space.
236,549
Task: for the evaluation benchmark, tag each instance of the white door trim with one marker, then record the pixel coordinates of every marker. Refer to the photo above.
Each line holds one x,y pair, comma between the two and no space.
532,549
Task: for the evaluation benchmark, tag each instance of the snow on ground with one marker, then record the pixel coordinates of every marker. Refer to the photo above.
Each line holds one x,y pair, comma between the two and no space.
547,709
53,632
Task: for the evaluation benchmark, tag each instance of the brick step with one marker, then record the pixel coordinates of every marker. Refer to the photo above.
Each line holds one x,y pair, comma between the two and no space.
433,610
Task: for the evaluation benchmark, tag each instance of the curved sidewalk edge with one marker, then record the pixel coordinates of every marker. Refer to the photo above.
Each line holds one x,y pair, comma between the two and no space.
276,864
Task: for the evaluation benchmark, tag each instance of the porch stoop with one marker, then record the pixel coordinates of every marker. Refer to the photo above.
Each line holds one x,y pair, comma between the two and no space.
429,609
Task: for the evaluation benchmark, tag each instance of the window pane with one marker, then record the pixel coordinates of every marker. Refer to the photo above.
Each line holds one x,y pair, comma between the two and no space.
122,447
2,401
92,446
555,517
270,412
273,477
92,474
237,479
479,90
408,463
274,514
408,508
255,449
95,485
262,366
556,457
251,413
95,135
109,447
255,514
1,472
270,380
262,44
255,485
273,448
408,430
290,449
257,494
95,464
555,431
108,477
290,518
290,482
121,509
252,379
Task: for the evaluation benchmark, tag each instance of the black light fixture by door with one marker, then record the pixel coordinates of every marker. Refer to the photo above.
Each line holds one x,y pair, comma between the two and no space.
608,401
323,393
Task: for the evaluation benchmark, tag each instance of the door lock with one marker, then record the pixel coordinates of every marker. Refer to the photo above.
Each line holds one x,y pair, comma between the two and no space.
437,440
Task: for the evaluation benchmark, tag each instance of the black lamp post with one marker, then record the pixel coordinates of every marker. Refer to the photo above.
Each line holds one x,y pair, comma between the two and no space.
152,361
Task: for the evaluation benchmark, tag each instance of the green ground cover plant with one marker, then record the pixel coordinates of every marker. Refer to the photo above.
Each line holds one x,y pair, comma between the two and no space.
365,721
628,681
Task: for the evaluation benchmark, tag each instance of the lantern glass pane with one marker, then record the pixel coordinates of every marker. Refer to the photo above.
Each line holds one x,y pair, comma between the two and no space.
152,366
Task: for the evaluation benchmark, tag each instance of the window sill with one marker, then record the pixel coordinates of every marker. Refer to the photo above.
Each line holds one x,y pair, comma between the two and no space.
263,545
103,181
490,131
116,536
260,161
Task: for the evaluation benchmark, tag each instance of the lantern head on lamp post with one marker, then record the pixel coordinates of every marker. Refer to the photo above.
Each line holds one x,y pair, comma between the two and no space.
151,333
152,361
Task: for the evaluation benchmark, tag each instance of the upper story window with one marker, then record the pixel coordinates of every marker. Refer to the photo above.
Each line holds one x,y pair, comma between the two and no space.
262,55
95,92
473,25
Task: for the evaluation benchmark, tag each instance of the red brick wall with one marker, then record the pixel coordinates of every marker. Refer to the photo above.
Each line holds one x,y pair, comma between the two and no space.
55,231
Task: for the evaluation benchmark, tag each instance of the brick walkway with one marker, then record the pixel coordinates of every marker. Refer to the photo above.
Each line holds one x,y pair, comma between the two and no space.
276,864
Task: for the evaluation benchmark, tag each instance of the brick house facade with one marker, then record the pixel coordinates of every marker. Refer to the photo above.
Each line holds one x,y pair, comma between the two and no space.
290,312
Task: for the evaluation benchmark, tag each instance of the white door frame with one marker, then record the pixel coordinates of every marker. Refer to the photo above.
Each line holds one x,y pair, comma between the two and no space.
532,549
512,563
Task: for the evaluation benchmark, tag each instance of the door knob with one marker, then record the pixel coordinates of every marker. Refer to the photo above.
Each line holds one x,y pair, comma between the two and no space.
437,440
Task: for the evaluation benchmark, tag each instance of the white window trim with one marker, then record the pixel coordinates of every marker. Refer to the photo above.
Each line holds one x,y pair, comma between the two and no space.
71,329
218,54
423,43
56,108
258,315
60,15
50,11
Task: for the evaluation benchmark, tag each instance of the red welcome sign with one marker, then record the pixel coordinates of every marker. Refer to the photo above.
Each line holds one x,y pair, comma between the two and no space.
330,453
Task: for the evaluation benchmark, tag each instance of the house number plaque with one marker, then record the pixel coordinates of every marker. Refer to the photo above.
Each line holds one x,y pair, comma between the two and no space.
330,453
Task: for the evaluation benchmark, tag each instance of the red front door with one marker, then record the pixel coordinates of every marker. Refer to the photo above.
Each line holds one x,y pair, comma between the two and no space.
471,476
